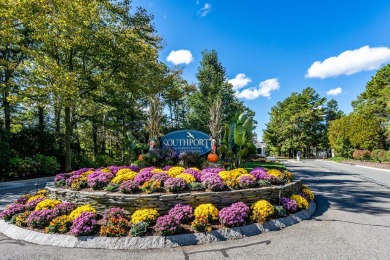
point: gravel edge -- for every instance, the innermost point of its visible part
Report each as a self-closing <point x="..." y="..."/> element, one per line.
<point x="149" y="242"/>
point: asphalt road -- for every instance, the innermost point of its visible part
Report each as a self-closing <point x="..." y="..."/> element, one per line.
<point x="352" y="221"/>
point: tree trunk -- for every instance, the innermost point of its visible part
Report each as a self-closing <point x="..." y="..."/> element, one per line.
<point x="94" y="138"/>
<point x="7" y="105"/>
<point x="68" y="130"/>
<point x="41" y="120"/>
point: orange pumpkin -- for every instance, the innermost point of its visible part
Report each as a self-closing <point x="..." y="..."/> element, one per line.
<point x="212" y="157"/>
<point x="141" y="157"/>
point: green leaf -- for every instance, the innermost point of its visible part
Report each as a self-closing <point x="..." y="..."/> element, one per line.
<point x="239" y="135"/>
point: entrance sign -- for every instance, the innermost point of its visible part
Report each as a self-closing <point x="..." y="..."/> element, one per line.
<point x="187" y="141"/>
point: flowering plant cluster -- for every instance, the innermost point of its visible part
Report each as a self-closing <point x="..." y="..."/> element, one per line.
<point x="59" y="224"/>
<point x="201" y="225"/>
<point x="11" y="210"/>
<point x="161" y="177"/>
<point x="309" y="195"/>
<point x="115" y="227"/>
<point x="64" y="208"/>
<point x="124" y="175"/>
<point x="234" y="215"/>
<point x="246" y="181"/>
<point x="262" y="210"/>
<point x="289" y="204"/>
<point x="85" y="224"/>
<point x="301" y="201"/>
<point x="167" y="225"/>
<point x="128" y="187"/>
<point x="20" y="219"/>
<point x="144" y="215"/>
<point x="207" y="211"/>
<point x="143" y="176"/>
<point x="194" y="172"/>
<point x="47" y="204"/>
<point x="40" y="218"/>
<point x="174" y="171"/>
<point x="182" y="212"/>
<point x="79" y="210"/>
<point x="113" y="213"/>
<point x="212" y="181"/>
<point x="188" y="178"/>
<point x="151" y="186"/>
<point x="174" y="184"/>
<point x="98" y="180"/>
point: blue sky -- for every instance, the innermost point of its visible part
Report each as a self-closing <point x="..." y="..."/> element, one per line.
<point x="280" y="46"/>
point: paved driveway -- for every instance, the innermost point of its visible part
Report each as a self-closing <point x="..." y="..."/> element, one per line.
<point x="352" y="222"/>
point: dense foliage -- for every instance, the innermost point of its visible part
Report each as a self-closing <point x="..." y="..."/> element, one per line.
<point x="83" y="87"/>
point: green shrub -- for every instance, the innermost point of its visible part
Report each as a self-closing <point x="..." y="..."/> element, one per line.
<point x="33" y="167"/>
<point x="362" y="155"/>
<point x="379" y="155"/>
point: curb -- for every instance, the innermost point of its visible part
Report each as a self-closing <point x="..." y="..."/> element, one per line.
<point x="24" y="183"/>
<point x="150" y="242"/>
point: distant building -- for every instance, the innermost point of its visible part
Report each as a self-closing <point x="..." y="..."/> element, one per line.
<point x="260" y="147"/>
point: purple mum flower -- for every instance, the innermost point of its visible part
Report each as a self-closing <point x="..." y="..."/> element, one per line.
<point x="62" y="177"/>
<point x="32" y="204"/>
<point x="84" y="225"/>
<point x="143" y="176"/>
<point x="212" y="181"/>
<point x="40" y="218"/>
<point x="234" y="215"/>
<point x="64" y="208"/>
<point x="289" y="204"/>
<point x="113" y="213"/>
<point x="212" y="170"/>
<point x="161" y="177"/>
<point x="166" y="168"/>
<point x="11" y="210"/>
<point x="175" y="184"/>
<point x="182" y="212"/>
<point x="197" y="175"/>
<point x="167" y="225"/>
<point x="98" y="180"/>
<point x="246" y="182"/>
<point x="129" y="186"/>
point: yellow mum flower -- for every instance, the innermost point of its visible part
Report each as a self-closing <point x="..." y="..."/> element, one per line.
<point x="275" y="173"/>
<point x="188" y="178"/>
<point x="144" y="215"/>
<point x="47" y="204"/>
<point x="35" y="197"/>
<point x="77" y="212"/>
<point x="301" y="201"/>
<point x="247" y="174"/>
<point x="308" y="193"/>
<point x="157" y="170"/>
<point x="207" y="211"/>
<point x="174" y="171"/>
<point x="124" y="176"/>
<point x="41" y="192"/>
<point x="262" y="210"/>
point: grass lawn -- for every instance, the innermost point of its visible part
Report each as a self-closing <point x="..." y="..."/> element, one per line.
<point x="250" y="165"/>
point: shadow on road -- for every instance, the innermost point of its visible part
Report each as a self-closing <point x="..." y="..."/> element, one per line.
<point x="349" y="192"/>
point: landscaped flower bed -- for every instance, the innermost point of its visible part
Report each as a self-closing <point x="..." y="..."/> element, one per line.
<point x="54" y="216"/>
<point x="131" y="179"/>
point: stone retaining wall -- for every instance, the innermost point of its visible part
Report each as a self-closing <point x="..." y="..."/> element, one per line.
<point x="164" y="202"/>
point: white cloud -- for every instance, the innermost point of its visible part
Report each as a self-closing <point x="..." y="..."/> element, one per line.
<point x="180" y="57"/>
<point x="205" y="9"/>
<point x="350" y="62"/>
<point x="334" y="92"/>
<point x="240" y="81"/>
<point x="265" y="88"/>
